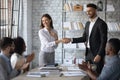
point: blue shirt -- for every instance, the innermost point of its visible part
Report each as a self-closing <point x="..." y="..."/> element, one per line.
<point x="2" y="73"/>
<point x="111" y="70"/>
<point x="6" y="64"/>
<point x="47" y="41"/>
<point x="7" y="61"/>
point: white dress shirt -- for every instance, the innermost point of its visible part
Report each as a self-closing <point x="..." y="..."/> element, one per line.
<point x="47" y="41"/>
<point x="92" y="22"/>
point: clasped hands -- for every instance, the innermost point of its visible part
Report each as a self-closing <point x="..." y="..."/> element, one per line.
<point x="66" y="40"/>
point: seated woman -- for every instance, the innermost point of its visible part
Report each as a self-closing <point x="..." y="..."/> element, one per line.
<point x="17" y="59"/>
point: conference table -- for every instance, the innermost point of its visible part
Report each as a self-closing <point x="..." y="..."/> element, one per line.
<point x="52" y="76"/>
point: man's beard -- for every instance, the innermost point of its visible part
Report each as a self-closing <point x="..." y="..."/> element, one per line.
<point x="92" y="16"/>
<point x="11" y="52"/>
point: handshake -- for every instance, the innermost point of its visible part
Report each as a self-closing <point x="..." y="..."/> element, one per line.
<point x="66" y="40"/>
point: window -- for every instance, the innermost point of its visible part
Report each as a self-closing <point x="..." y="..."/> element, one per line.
<point x="9" y="18"/>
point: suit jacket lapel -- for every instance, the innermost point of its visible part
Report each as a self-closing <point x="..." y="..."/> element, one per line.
<point x="87" y="30"/>
<point x="87" y="27"/>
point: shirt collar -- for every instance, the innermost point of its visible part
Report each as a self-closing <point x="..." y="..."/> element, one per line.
<point x="111" y="59"/>
<point x="46" y="29"/>
<point x="93" y="20"/>
<point x="5" y="57"/>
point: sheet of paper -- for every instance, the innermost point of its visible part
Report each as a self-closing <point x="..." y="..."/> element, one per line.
<point x="73" y="73"/>
<point x="37" y="74"/>
<point x="67" y="65"/>
<point x="73" y="68"/>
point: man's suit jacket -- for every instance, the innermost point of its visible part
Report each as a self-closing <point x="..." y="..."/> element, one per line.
<point x="98" y="37"/>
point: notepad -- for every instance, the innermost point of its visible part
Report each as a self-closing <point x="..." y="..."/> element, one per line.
<point x="73" y="73"/>
<point x="37" y="74"/>
<point x="49" y="69"/>
<point x="74" y="68"/>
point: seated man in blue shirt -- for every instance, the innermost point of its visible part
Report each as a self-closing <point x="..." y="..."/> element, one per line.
<point x="111" y="69"/>
<point x="2" y="76"/>
<point x="7" y="48"/>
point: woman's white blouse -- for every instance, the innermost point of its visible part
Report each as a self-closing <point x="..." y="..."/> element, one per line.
<point x="47" y="41"/>
<point x="14" y="58"/>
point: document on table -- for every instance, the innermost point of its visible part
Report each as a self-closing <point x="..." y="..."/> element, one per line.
<point x="51" y="70"/>
<point x="74" y="68"/>
<point x="63" y="65"/>
<point x="48" y="68"/>
<point x="37" y="74"/>
<point x="73" y="73"/>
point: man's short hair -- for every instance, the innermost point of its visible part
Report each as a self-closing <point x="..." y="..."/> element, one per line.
<point x="92" y="5"/>
<point x="115" y="43"/>
<point x="5" y="42"/>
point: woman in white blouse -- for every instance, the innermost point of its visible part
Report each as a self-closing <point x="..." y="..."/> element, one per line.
<point x="49" y="41"/>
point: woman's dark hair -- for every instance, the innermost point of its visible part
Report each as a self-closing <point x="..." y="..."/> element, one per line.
<point x="115" y="43"/>
<point x="19" y="45"/>
<point x="49" y="17"/>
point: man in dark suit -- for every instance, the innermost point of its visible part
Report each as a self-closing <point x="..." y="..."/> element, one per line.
<point x="94" y="36"/>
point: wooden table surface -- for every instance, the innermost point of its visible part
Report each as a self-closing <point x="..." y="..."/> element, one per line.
<point x="50" y="77"/>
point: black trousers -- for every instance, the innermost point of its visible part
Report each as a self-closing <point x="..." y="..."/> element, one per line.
<point x="89" y="56"/>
